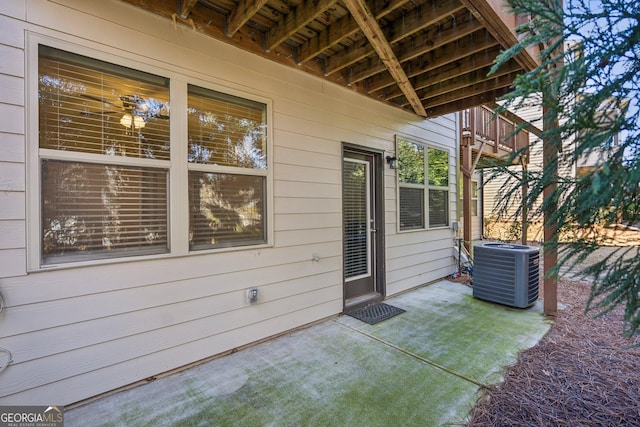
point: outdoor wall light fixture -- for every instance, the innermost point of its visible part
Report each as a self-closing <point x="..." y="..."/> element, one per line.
<point x="391" y="161"/>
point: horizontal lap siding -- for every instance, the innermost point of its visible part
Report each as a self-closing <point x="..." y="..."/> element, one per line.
<point x="78" y="332"/>
<point x="12" y="143"/>
<point x="416" y="258"/>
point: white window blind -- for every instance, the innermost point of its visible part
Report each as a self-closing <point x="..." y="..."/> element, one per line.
<point x="411" y="208"/>
<point x="227" y="139"/>
<point x="226" y="130"/>
<point x="356" y="218"/>
<point x="91" y="114"/>
<point x="105" y="161"/>
<point x="226" y="210"/>
<point x="95" y="107"/>
<point x="91" y="209"/>
<point x="419" y="196"/>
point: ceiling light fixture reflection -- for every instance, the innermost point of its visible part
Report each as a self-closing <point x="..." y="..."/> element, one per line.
<point x="132" y="121"/>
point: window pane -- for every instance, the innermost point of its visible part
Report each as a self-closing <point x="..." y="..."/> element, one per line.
<point x="91" y="106"/>
<point x="438" y="208"/>
<point x="356" y="216"/>
<point x="226" y="210"/>
<point x="438" y="167"/>
<point x="474" y="198"/>
<point x="410" y="162"/>
<point x="226" y="130"/>
<point x="411" y="208"/>
<point x="92" y="211"/>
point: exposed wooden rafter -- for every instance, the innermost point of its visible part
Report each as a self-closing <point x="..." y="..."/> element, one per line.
<point x="337" y="32"/>
<point x="241" y="14"/>
<point x="500" y="23"/>
<point x="298" y="18"/>
<point x="477" y="89"/>
<point x="444" y="72"/>
<point x="185" y="8"/>
<point x="429" y="57"/>
<point x="406" y="28"/>
<point x="417" y="49"/>
<point x="466" y="48"/>
<point x="374" y="34"/>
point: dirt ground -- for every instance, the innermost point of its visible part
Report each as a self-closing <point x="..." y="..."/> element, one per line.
<point x="617" y="235"/>
<point x="582" y="373"/>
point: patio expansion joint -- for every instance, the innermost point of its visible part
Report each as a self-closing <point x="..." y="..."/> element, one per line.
<point x="413" y="355"/>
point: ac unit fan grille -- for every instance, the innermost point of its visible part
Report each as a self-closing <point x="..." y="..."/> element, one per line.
<point x="506" y="274"/>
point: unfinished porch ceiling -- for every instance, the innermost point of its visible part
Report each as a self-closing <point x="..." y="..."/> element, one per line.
<point x="428" y="57"/>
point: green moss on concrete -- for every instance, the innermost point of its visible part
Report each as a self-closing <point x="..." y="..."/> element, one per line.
<point x="343" y="372"/>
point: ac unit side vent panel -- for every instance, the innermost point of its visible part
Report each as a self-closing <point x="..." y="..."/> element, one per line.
<point x="506" y="274"/>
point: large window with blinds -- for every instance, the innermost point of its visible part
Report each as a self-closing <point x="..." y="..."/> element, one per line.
<point x="227" y="170"/>
<point x="106" y="158"/>
<point x="423" y="185"/>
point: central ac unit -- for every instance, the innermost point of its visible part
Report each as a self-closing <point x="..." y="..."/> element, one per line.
<point x="507" y="274"/>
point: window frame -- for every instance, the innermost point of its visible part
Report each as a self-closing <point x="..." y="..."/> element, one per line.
<point x="212" y="168"/>
<point x="425" y="187"/>
<point x="475" y="193"/>
<point x="177" y="166"/>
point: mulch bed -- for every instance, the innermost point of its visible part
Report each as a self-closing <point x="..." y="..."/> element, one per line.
<point x="582" y="373"/>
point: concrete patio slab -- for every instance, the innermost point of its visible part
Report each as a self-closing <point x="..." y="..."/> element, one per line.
<point x="423" y="367"/>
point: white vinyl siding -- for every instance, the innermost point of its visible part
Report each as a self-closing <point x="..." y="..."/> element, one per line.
<point x="100" y="326"/>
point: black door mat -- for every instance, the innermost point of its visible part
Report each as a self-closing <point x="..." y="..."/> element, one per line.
<point x="375" y="313"/>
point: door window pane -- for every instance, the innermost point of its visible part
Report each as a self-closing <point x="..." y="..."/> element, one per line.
<point x="356" y="241"/>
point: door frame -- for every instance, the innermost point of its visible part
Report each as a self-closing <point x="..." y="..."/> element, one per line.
<point x="378" y="269"/>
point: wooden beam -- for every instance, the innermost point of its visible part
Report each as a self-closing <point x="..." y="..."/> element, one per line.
<point x="472" y="90"/>
<point x="449" y="54"/>
<point x="460" y="85"/>
<point x="241" y="14"/>
<point x="304" y="13"/>
<point x="212" y="24"/>
<point x="465" y="102"/>
<point x="428" y="14"/>
<point x="185" y="8"/>
<point x="550" y="148"/>
<point x="431" y="42"/>
<point x="500" y="24"/>
<point x="451" y="70"/>
<point x="340" y="30"/>
<point x="506" y="75"/>
<point x="467" y="155"/>
<point x="374" y="34"/>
